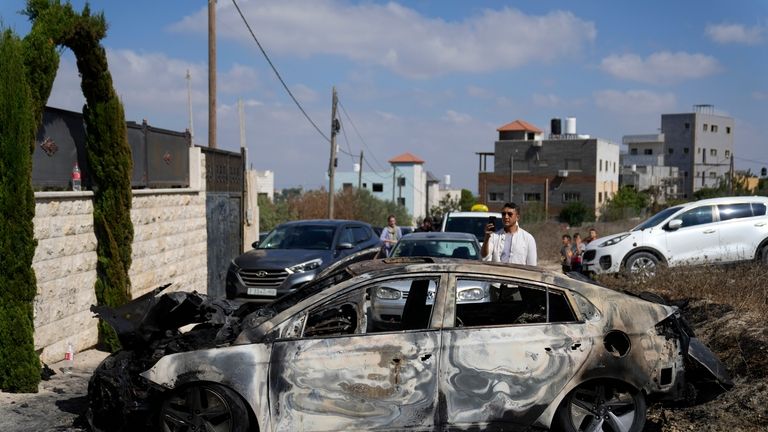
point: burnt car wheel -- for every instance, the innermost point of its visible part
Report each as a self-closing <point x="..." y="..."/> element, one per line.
<point x="642" y="264"/>
<point x="602" y="406"/>
<point x="204" y="408"/>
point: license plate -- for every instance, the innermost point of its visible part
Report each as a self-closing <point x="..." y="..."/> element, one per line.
<point x="271" y="292"/>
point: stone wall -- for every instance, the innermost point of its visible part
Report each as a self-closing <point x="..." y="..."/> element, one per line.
<point x="169" y="247"/>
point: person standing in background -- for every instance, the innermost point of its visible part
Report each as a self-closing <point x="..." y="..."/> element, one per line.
<point x="566" y="253"/>
<point x="592" y="235"/>
<point x="390" y="235"/>
<point x="511" y="244"/>
<point x="578" y="250"/>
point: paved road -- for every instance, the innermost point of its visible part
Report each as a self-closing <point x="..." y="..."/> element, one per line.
<point x="58" y="406"/>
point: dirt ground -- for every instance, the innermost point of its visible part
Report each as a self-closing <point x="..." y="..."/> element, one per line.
<point x="60" y="403"/>
<point x="740" y="341"/>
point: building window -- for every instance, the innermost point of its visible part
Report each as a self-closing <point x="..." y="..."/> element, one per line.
<point x="573" y="164"/>
<point x="378" y="187"/>
<point x="532" y="197"/>
<point x="571" y="197"/>
<point x="706" y="127"/>
<point x="713" y="128"/>
<point x="648" y="151"/>
<point x="671" y="150"/>
<point x="713" y="174"/>
<point x="365" y="185"/>
<point x="687" y="125"/>
<point x="346" y="186"/>
<point x="600" y="166"/>
<point x="633" y="151"/>
<point x="713" y="152"/>
<point x="727" y="153"/>
<point x="685" y="150"/>
<point x="728" y="129"/>
<point x="614" y="167"/>
<point x="401" y="181"/>
<point x="401" y="201"/>
<point x="599" y="197"/>
<point x="495" y="196"/>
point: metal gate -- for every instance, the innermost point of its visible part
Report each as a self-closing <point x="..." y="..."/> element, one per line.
<point x="224" y="182"/>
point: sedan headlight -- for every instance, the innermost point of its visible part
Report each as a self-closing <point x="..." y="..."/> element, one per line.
<point x="306" y="266"/>
<point x="385" y="293"/>
<point x="470" y="294"/>
<point x="614" y="240"/>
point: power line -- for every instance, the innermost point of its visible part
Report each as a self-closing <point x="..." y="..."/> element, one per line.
<point x="750" y="160"/>
<point x="361" y="137"/>
<point x="274" y="69"/>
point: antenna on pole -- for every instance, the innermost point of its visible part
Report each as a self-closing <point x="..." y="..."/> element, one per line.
<point x="189" y="106"/>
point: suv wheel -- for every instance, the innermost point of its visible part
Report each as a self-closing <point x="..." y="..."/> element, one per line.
<point x="642" y="264"/>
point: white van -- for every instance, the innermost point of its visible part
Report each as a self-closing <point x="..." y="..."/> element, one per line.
<point x="472" y="222"/>
<point x="711" y="231"/>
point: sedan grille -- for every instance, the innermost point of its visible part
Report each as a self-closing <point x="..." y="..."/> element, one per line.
<point x="590" y="255"/>
<point x="254" y="278"/>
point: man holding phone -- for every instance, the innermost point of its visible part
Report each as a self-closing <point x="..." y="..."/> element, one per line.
<point x="511" y="244"/>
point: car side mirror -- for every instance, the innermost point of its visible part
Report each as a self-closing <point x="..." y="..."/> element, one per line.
<point x="345" y="245"/>
<point x="674" y="224"/>
<point x="255" y="244"/>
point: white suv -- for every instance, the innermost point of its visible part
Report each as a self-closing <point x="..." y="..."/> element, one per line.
<point x="718" y="230"/>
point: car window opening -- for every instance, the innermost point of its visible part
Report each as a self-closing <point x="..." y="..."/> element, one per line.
<point x="512" y="303"/>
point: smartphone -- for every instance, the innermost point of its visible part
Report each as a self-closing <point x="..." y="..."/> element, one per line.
<point x="492" y="221"/>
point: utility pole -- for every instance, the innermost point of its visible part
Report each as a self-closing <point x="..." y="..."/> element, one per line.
<point x="189" y="104"/>
<point x="212" y="73"/>
<point x="730" y="177"/>
<point x="360" y="173"/>
<point x="511" y="174"/>
<point x="335" y="126"/>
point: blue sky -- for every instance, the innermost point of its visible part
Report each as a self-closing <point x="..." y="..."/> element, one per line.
<point x="434" y="78"/>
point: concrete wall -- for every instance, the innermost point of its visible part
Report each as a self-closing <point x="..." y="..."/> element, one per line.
<point x="169" y="247"/>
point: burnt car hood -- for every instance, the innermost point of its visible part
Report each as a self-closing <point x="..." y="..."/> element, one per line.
<point x="155" y="316"/>
<point x="281" y="258"/>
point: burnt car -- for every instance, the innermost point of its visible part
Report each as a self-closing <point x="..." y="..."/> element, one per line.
<point x="546" y="351"/>
<point x="292" y="254"/>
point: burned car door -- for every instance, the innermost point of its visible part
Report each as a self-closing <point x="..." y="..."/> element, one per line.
<point x="504" y="361"/>
<point x="341" y="374"/>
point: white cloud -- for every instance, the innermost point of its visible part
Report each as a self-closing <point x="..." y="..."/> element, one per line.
<point x="760" y="95"/>
<point x="661" y="67"/>
<point x="547" y="100"/>
<point x="635" y="101"/>
<point x="479" y="92"/>
<point x="399" y="38"/>
<point x="735" y="33"/>
<point x="452" y="116"/>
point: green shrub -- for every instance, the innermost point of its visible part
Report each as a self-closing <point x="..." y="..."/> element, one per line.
<point x="19" y="364"/>
<point x="575" y="214"/>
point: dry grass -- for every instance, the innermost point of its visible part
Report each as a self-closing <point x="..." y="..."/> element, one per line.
<point x="744" y="288"/>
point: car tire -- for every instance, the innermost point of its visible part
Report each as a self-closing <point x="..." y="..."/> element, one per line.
<point x="204" y="407"/>
<point x="764" y="255"/>
<point x="601" y="406"/>
<point x="642" y="264"/>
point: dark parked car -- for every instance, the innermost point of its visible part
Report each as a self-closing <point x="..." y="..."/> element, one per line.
<point x="546" y="351"/>
<point x="292" y="254"/>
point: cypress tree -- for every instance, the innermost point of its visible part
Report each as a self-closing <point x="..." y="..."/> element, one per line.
<point x="19" y="364"/>
<point x="106" y="142"/>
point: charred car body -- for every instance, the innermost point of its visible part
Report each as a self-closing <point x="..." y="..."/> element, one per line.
<point x="545" y="351"/>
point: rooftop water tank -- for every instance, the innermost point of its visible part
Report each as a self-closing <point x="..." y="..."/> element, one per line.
<point x="447" y="180"/>
<point x="570" y="125"/>
<point x="556" y="126"/>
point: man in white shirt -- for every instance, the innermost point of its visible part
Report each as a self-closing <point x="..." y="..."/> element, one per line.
<point x="510" y="244"/>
